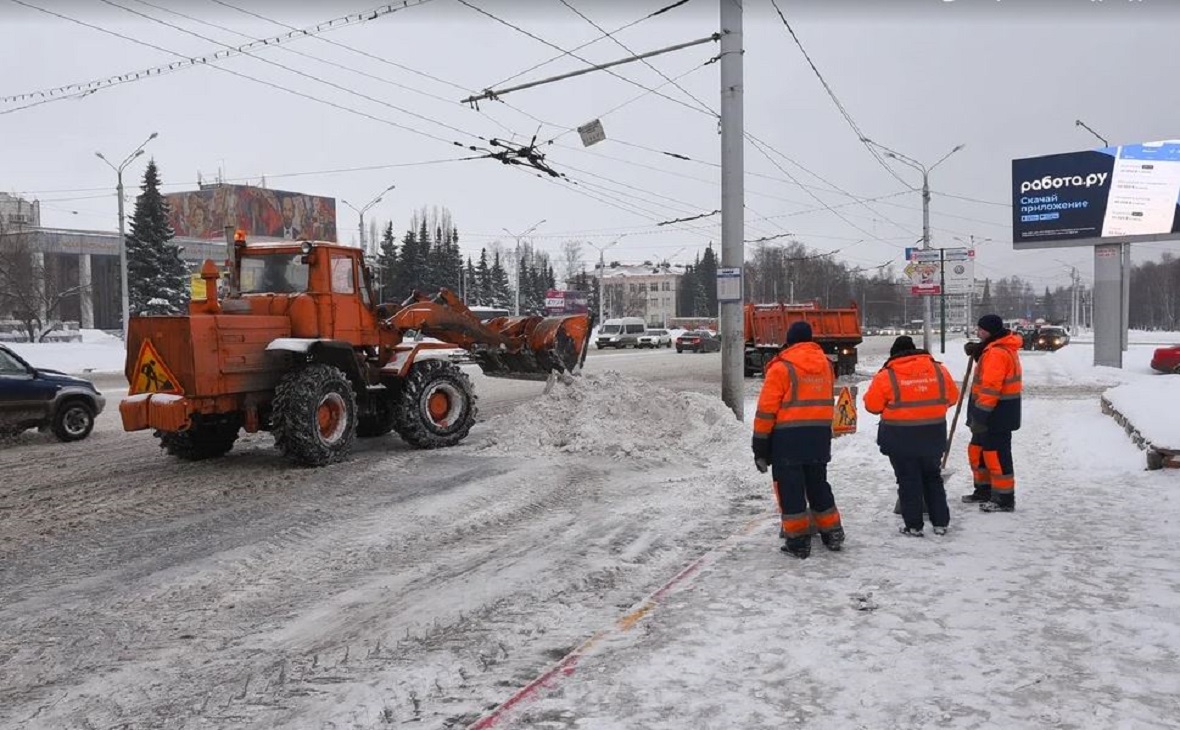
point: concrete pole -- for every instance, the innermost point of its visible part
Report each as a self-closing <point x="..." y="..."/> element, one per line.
<point x="85" y="292"/>
<point x="601" y="280"/>
<point x="927" y="308"/>
<point x="1107" y="305"/>
<point x="123" y="261"/>
<point x="360" y="229"/>
<point x="1125" y="304"/>
<point x="732" y="202"/>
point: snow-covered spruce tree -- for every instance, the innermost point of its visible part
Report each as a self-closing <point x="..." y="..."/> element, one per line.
<point x="157" y="278"/>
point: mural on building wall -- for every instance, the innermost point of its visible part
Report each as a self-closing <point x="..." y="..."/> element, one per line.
<point x="258" y="211"/>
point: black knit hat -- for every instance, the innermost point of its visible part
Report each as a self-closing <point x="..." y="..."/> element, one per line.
<point x="991" y="323"/>
<point x="901" y="344"/>
<point x="798" y="332"/>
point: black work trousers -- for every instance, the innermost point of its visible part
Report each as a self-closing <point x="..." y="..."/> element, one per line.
<point x="802" y="488"/>
<point x="919" y="478"/>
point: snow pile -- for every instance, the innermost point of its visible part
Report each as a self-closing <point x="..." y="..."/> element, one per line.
<point x="615" y="416"/>
<point x="77" y="358"/>
<point x="1140" y="403"/>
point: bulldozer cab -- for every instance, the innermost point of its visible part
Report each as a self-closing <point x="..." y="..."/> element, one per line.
<point x="324" y="288"/>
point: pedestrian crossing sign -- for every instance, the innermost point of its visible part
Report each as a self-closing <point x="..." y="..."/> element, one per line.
<point x="844" y="417"/>
<point x="151" y="375"/>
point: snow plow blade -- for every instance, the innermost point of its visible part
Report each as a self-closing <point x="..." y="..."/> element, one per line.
<point x="548" y="345"/>
<point x="525" y="348"/>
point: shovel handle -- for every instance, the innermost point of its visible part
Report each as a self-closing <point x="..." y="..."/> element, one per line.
<point x="958" y="407"/>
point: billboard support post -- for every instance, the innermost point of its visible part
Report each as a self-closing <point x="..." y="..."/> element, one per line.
<point x="1108" y="313"/>
<point x="942" y="300"/>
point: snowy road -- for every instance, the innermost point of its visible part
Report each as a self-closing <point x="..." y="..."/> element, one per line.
<point x="139" y="591"/>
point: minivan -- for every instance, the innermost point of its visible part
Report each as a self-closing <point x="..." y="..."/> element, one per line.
<point x="620" y="332"/>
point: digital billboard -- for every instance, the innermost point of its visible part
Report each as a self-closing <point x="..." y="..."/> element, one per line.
<point x="1078" y="198"/>
<point x="258" y="211"/>
<point x="558" y="302"/>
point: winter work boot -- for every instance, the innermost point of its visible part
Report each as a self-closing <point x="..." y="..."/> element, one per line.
<point x="800" y="547"/>
<point x="940" y="530"/>
<point x="833" y="539"/>
<point x="999" y="504"/>
<point x="980" y="495"/>
<point x="911" y="532"/>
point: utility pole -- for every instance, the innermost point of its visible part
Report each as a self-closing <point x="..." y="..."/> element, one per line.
<point x="927" y="305"/>
<point x="732" y="202"/>
<point x="516" y="307"/>
<point x="602" y="273"/>
<point x="122" y="232"/>
<point x="360" y="227"/>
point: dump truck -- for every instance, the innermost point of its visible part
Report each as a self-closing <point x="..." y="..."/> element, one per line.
<point x="837" y="331"/>
<point x="299" y="346"/>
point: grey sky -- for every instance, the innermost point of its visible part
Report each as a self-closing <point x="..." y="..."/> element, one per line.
<point x="1008" y="79"/>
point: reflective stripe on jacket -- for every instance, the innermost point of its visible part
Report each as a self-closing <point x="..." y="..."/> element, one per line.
<point x="793" y="423"/>
<point x="997" y="385"/>
<point x="912" y="393"/>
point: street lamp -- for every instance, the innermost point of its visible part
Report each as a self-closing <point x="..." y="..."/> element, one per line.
<point x="361" y="214"/>
<point x="122" y="233"/>
<point x="516" y="308"/>
<point x="602" y="272"/>
<point x="1083" y="125"/>
<point x="927" y="309"/>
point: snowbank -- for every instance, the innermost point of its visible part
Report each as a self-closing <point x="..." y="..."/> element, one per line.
<point x="1140" y="403"/>
<point x="96" y="353"/>
<point x="619" y="416"/>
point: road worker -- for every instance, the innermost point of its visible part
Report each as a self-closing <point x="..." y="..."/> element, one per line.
<point x="993" y="413"/>
<point x="912" y="393"/>
<point x="793" y="435"/>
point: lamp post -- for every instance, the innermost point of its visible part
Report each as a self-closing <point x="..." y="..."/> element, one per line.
<point x="927" y="308"/>
<point x="516" y="307"/>
<point x="122" y="232"/>
<point x="1083" y="125"/>
<point x="602" y="272"/>
<point x="361" y="214"/>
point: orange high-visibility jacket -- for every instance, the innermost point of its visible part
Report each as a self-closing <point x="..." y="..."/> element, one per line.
<point x="997" y="385"/>
<point x="912" y="390"/>
<point x="797" y="401"/>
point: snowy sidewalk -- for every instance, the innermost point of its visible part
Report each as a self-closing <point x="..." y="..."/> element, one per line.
<point x="1063" y="614"/>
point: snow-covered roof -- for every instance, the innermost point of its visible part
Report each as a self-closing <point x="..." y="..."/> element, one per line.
<point x="642" y="270"/>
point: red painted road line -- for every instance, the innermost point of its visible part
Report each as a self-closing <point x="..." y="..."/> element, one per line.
<point x="568" y="664"/>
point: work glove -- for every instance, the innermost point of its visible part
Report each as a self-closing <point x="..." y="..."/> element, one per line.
<point x="761" y="464"/>
<point x="977" y="429"/>
<point x="971" y="348"/>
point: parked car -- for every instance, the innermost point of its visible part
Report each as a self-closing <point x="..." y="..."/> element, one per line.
<point x="45" y="399"/>
<point x="1050" y="338"/>
<point x="698" y="341"/>
<point x="1166" y="359"/>
<point x="620" y="332"/>
<point x="654" y="338"/>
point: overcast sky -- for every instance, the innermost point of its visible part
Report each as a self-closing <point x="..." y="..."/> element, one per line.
<point x="1005" y="78"/>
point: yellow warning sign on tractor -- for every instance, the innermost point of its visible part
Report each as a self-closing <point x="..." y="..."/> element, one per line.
<point x="151" y="375"/>
<point x="844" y="417"/>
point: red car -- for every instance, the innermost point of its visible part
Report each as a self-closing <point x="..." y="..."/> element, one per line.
<point x="1167" y="359"/>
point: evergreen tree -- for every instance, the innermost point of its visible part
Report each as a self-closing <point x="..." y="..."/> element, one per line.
<point x="471" y="292"/>
<point x="157" y="278"/>
<point x="483" y="275"/>
<point x="423" y="274"/>
<point x="404" y="272"/>
<point x="985" y="302"/>
<point x="387" y="266"/>
<point x="501" y="291"/>
<point x="706" y="281"/>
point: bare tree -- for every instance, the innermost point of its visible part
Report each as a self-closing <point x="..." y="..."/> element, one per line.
<point x="571" y="260"/>
<point x="30" y="293"/>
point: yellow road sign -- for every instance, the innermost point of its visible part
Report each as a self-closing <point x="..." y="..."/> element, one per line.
<point x="151" y="375"/>
<point x="844" y="418"/>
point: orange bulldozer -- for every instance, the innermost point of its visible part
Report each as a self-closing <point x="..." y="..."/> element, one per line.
<point x="298" y="346"/>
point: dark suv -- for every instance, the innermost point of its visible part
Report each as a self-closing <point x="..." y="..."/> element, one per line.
<point x="45" y="399"/>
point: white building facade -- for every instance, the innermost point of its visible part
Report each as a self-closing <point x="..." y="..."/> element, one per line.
<point x="647" y="291"/>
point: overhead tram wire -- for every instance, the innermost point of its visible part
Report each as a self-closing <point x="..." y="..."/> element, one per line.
<point x="248" y="77"/>
<point x="295" y="71"/>
<point x="835" y="100"/>
<point x="334" y="64"/>
<point x="393" y="64"/>
<point x="77" y="90"/>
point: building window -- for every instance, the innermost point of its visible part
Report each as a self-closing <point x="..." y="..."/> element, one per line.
<point x="654" y="286"/>
<point x="667" y="286"/>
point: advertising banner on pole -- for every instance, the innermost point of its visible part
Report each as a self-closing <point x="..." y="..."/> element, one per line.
<point x="959" y="270"/>
<point x="1129" y="193"/>
<point x="922" y="270"/>
<point x="929" y="268"/>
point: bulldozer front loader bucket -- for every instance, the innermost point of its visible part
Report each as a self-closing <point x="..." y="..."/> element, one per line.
<point x="546" y="345"/>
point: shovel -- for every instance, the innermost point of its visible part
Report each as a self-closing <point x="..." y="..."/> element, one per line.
<point x="950" y="437"/>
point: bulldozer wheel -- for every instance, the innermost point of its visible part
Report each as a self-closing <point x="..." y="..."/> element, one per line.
<point x="315" y="418"/>
<point x="436" y="406"/>
<point x="200" y="442"/>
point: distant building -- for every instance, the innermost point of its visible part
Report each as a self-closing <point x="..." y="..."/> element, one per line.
<point x="16" y="213"/>
<point x="648" y="291"/>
